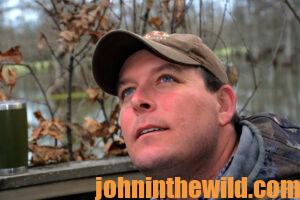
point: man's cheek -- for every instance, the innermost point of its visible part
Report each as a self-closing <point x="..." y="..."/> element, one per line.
<point x="125" y="121"/>
<point x="171" y="102"/>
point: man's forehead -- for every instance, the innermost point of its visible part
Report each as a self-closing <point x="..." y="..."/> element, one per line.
<point x="154" y="70"/>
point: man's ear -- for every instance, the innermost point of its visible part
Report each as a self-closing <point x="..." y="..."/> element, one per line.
<point x="227" y="101"/>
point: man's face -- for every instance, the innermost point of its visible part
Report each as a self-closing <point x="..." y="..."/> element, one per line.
<point x="168" y="118"/>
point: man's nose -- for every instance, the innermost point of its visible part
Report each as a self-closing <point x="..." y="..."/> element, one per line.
<point x="142" y="101"/>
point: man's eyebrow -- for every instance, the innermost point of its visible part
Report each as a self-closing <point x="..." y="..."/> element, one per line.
<point x="163" y="67"/>
<point x="167" y="66"/>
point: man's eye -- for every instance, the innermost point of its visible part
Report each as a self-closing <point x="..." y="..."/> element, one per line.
<point x="166" y="78"/>
<point x="126" y="92"/>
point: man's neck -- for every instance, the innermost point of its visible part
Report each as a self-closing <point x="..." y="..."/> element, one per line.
<point x="227" y="143"/>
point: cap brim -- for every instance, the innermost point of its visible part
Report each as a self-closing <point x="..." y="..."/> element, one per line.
<point x="116" y="46"/>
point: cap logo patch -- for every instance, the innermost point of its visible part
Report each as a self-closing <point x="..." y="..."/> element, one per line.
<point x="156" y="35"/>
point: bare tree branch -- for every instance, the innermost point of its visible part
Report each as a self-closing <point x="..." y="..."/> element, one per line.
<point x="145" y="18"/>
<point x="50" y="14"/>
<point x="292" y="9"/>
<point x="276" y="50"/>
<point x="69" y="113"/>
<point x="200" y="17"/>
<point x="121" y="14"/>
<point x="51" y="50"/>
<point x="134" y="16"/>
<point x="90" y="39"/>
<point x="256" y="84"/>
<point x="247" y="49"/>
<point x="221" y="26"/>
<point x="101" y="103"/>
<point x="172" y="26"/>
<point x="185" y="10"/>
<point x="249" y="98"/>
<point x="222" y="41"/>
<point x="39" y="85"/>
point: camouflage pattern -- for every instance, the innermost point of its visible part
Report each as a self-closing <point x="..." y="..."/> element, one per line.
<point x="281" y="140"/>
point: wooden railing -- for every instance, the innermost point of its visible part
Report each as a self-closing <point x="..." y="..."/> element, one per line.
<point x="65" y="179"/>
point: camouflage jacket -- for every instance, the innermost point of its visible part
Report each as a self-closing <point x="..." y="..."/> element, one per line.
<point x="269" y="149"/>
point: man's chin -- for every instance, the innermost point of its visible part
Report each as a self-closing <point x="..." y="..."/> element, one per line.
<point x="153" y="167"/>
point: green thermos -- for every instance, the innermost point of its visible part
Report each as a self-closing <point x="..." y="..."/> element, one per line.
<point x="13" y="138"/>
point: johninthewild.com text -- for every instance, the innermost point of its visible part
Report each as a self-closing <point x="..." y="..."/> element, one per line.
<point x="225" y="187"/>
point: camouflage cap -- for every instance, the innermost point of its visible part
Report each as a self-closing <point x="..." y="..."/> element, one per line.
<point x="116" y="46"/>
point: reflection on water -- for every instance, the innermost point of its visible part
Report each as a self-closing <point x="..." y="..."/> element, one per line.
<point x="278" y="90"/>
<point x="278" y="93"/>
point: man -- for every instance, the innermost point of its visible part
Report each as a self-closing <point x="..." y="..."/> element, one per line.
<point x="178" y="112"/>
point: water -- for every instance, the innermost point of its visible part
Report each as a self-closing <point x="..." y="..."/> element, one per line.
<point x="278" y="91"/>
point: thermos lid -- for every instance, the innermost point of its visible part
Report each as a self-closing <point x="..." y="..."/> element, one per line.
<point x="12" y="104"/>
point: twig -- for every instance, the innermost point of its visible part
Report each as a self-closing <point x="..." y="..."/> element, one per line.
<point x="125" y="21"/>
<point x="69" y="113"/>
<point x="101" y="103"/>
<point x="90" y="39"/>
<point x="84" y="54"/>
<point x="51" y="50"/>
<point x="249" y="98"/>
<point x="140" y="17"/>
<point x="84" y="78"/>
<point x="292" y="9"/>
<point x="222" y="41"/>
<point x="247" y="49"/>
<point x="134" y="16"/>
<point x="200" y="17"/>
<point x="278" y="42"/>
<point x="256" y="85"/>
<point x="50" y="14"/>
<point x="212" y="16"/>
<point x="221" y="26"/>
<point x="172" y="27"/>
<point x="145" y="18"/>
<point x="121" y="14"/>
<point x="39" y="84"/>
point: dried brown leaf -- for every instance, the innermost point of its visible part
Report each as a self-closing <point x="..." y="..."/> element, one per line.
<point x="53" y="133"/>
<point x="68" y="36"/>
<point x="112" y="129"/>
<point x="59" y="125"/>
<point x="1" y="69"/>
<point x="65" y="18"/>
<point x="149" y="4"/>
<point x="13" y="55"/>
<point x="116" y="148"/>
<point x="36" y="133"/>
<point x="41" y="42"/>
<point x="9" y="76"/>
<point x="114" y="115"/>
<point x="104" y="23"/>
<point x="45" y="155"/>
<point x="165" y="4"/>
<point x="93" y="15"/>
<point x="92" y="126"/>
<point x="156" y="22"/>
<point x="96" y="36"/>
<point x="179" y="11"/>
<point x="2" y="96"/>
<point x="38" y="115"/>
<point x="53" y="128"/>
<point x="233" y="74"/>
<point x="105" y="3"/>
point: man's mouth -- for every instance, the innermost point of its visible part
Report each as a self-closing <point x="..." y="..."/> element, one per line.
<point x="150" y="130"/>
